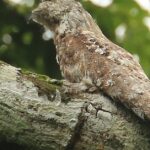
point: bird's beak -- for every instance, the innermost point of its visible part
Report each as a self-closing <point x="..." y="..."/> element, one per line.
<point x="33" y="16"/>
<point x="30" y="18"/>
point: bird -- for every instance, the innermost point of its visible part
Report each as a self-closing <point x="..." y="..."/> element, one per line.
<point x="86" y="55"/>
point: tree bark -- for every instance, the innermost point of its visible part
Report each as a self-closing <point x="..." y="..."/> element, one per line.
<point x="42" y="113"/>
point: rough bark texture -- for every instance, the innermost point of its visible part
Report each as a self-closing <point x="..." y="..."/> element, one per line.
<point x="41" y="113"/>
<point x="86" y="55"/>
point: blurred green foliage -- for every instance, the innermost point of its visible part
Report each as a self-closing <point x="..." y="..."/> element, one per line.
<point x="21" y="42"/>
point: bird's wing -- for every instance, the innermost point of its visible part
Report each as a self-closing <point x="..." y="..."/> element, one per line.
<point x="112" y="69"/>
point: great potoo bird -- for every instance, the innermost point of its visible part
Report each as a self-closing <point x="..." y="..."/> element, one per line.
<point x="84" y="53"/>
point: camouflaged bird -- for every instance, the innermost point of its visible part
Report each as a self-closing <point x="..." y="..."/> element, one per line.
<point x="86" y="55"/>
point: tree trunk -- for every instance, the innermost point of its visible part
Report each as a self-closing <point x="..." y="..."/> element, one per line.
<point x="42" y="113"/>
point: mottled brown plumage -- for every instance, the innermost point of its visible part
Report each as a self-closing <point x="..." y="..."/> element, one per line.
<point x="86" y="55"/>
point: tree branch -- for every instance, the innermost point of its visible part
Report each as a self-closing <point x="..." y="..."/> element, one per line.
<point x="42" y="113"/>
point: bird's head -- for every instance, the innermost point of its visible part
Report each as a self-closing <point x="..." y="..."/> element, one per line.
<point x="50" y="12"/>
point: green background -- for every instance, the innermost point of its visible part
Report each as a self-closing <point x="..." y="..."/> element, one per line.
<point x="29" y="51"/>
